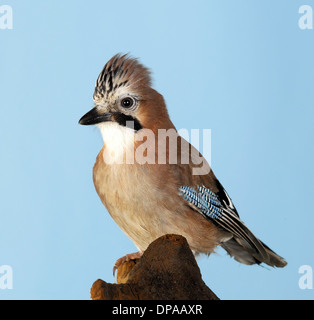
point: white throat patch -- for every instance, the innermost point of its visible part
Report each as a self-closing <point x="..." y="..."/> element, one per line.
<point x="117" y="139"/>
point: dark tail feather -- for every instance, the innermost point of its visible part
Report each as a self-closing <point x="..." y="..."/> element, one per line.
<point x="243" y="253"/>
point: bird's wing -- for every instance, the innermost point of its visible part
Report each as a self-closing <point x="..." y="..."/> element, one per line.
<point x="221" y="213"/>
<point x="205" y="195"/>
<point x="243" y="245"/>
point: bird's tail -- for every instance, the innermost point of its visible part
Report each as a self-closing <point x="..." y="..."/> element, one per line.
<point x="244" y="253"/>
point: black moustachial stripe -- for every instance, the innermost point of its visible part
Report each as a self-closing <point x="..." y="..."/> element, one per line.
<point x="127" y="121"/>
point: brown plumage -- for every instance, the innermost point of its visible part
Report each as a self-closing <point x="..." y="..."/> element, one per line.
<point x="148" y="199"/>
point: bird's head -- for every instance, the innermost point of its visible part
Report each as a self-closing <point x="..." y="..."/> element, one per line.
<point x="123" y="95"/>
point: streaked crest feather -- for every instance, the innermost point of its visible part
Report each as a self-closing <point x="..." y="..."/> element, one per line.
<point x="121" y="70"/>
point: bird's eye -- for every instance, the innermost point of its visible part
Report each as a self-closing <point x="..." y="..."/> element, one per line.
<point x="127" y="102"/>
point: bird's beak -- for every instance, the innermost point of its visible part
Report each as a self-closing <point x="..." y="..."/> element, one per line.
<point x="95" y="116"/>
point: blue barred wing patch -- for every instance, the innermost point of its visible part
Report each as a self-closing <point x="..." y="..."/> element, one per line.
<point x="204" y="200"/>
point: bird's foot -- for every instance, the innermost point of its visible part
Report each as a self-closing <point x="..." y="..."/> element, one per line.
<point x="127" y="257"/>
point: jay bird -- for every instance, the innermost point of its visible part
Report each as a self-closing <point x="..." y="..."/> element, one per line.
<point x="148" y="199"/>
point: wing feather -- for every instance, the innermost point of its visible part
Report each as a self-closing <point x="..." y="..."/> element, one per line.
<point x="209" y="205"/>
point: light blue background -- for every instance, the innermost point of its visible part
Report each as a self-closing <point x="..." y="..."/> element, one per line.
<point x="241" y="68"/>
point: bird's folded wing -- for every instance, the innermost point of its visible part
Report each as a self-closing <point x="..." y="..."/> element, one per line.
<point x="221" y="213"/>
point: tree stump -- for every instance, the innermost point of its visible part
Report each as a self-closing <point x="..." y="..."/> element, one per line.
<point x="167" y="270"/>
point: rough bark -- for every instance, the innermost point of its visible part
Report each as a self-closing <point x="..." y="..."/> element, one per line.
<point x="166" y="271"/>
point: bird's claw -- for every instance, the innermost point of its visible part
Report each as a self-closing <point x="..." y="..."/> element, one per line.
<point x="127" y="257"/>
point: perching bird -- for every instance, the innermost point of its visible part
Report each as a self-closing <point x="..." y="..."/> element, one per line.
<point x="148" y="198"/>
